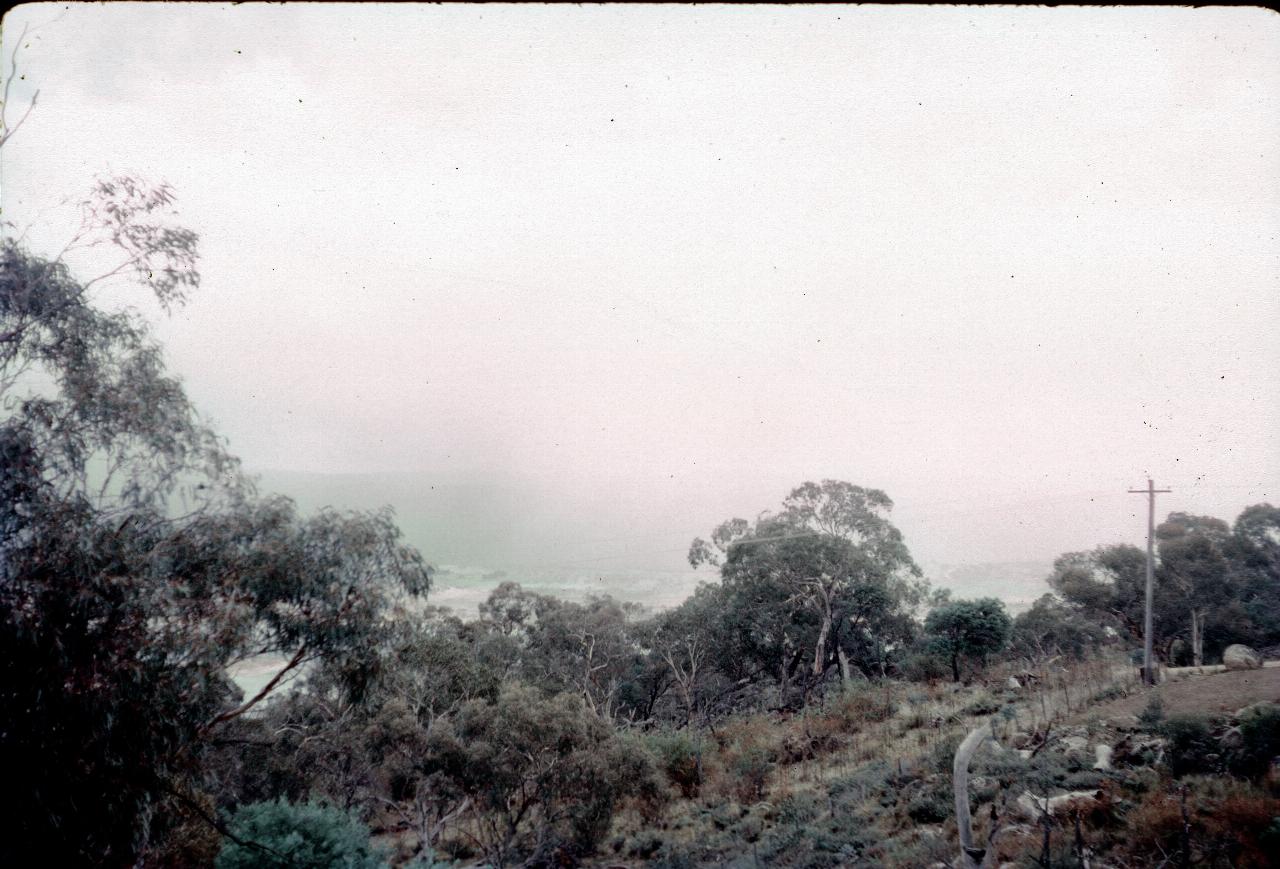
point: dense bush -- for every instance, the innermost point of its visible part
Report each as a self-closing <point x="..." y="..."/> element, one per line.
<point x="680" y="759"/>
<point x="1190" y="743"/>
<point x="280" y="835"/>
<point x="750" y="769"/>
<point x="923" y="666"/>
<point x="861" y="703"/>
<point x="546" y="773"/>
<point x="1260" y="742"/>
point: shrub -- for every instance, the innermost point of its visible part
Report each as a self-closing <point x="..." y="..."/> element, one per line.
<point x="1227" y="818"/>
<point x="310" y="835"/>
<point x="750" y="768"/>
<point x="943" y="754"/>
<point x="923" y="667"/>
<point x="680" y="760"/>
<point x="1153" y="714"/>
<point x="929" y="808"/>
<point x="983" y="703"/>
<point x="1115" y="692"/>
<point x="1190" y="743"/>
<point x="862" y="703"/>
<point x="1260" y="743"/>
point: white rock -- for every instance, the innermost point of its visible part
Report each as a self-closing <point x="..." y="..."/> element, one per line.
<point x="1238" y="657"/>
<point x="1074" y="743"/>
<point x="1014" y="683"/>
<point x="1103" y="753"/>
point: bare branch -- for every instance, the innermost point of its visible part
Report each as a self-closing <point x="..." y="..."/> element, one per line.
<point x="266" y="689"/>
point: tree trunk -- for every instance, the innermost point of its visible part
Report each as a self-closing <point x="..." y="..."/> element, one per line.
<point x="820" y="647"/>
<point x="784" y="677"/>
<point x="1197" y="637"/>
<point x="845" y="676"/>
<point x="971" y="856"/>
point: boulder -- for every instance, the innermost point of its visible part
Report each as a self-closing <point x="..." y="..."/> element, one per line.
<point x="1103" y="752"/>
<point x="1232" y="737"/>
<point x="1014" y="684"/>
<point x="1238" y="657"/>
<point x="1253" y="709"/>
<point x="1125" y="723"/>
<point x="1074" y="743"/>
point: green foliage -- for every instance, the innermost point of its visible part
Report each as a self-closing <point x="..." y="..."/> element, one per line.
<point x="923" y="666"/>
<point x="968" y="630"/>
<point x="680" y="759"/>
<point x="1260" y="742"/>
<point x="928" y="807"/>
<point x="982" y="703"/>
<point x="861" y="703"/>
<point x="750" y="767"/>
<point x="827" y="578"/>
<point x="1153" y="713"/>
<point x="546" y="770"/>
<point x="1189" y="744"/>
<point x="136" y="564"/>
<point x="280" y="835"/>
<point x="1113" y="692"/>
<point x="1051" y="627"/>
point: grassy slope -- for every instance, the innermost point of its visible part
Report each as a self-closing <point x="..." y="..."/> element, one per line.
<point x="847" y="786"/>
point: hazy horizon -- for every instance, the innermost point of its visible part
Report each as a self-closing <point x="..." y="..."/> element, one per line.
<point x="611" y="275"/>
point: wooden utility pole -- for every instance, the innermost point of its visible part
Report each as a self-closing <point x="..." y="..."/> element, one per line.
<point x="1148" y="671"/>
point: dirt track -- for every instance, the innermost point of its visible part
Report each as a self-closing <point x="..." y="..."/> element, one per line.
<point x="1209" y="694"/>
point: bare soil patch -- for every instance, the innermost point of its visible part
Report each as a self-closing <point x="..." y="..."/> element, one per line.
<point x="1207" y="694"/>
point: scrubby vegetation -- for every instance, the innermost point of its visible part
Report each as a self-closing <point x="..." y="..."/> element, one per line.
<point x="800" y="709"/>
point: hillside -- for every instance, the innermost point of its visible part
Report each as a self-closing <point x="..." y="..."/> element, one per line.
<point x="865" y="782"/>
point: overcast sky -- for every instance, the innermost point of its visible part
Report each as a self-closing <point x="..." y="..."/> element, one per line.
<point x="663" y="263"/>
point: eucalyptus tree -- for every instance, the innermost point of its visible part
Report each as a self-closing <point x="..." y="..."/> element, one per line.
<point x="1194" y="558"/>
<point x="970" y="630"/>
<point x="822" y="580"/>
<point x="136" y="562"/>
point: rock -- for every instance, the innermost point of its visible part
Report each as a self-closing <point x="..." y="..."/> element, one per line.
<point x="1103" y="753"/>
<point x="1138" y="749"/>
<point x="1238" y="657"/>
<point x="1125" y="723"/>
<point x="1253" y="709"/>
<point x="1231" y="738"/>
<point x="1033" y="806"/>
<point x="1074" y="743"/>
<point x="1014" y="683"/>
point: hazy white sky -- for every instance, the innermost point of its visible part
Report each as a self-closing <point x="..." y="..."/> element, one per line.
<point x="663" y="263"/>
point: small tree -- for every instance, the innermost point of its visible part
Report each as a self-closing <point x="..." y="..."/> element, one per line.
<point x="1052" y="628"/>
<point x="278" y="835"/>
<point x="970" y="629"/>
